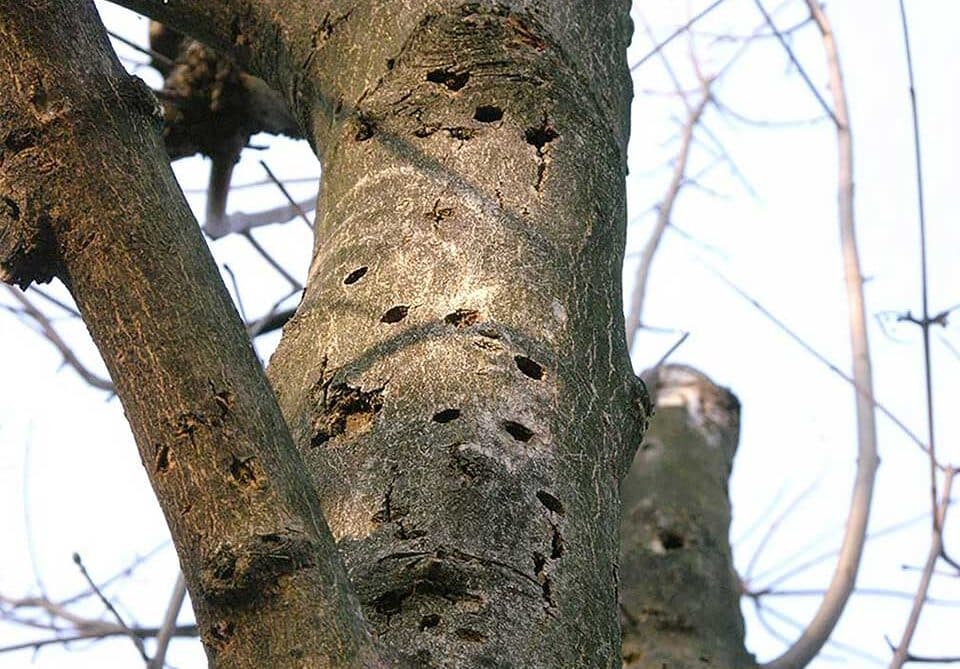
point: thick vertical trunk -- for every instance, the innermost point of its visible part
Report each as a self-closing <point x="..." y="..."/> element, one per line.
<point x="456" y="375"/>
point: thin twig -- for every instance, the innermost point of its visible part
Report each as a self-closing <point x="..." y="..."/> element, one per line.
<point x="169" y="624"/>
<point x="255" y="184"/>
<point x="27" y="522"/>
<point x="50" y="333"/>
<point x="138" y="642"/>
<point x="936" y="548"/>
<point x="775" y="525"/>
<point x="138" y="632"/>
<point x="868" y="592"/>
<point x="236" y="290"/>
<point x="286" y="194"/>
<point x="808" y="563"/>
<point x="676" y="33"/>
<point x="793" y="59"/>
<point x="839" y="645"/>
<point x="156" y="55"/>
<point x="925" y="322"/>
<point x="54" y="301"/>
<point x="882" y="408"/>
<point x="248" y="235"/>
<point x="635" y="316"/>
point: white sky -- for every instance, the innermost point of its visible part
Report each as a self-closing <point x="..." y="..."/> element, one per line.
<point x="69" y="469"/>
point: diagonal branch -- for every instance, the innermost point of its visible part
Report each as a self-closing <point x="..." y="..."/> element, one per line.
<point x="901" y="653"/>
<point x="50" y="333"/>
<point x="89" y="197"/>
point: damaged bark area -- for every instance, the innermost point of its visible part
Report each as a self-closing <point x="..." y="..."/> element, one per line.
<point x="210" y="105"/>
<point x="676" y="519"/>
<point x="469" y="236"/>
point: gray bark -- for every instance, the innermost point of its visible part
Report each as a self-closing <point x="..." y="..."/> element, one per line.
<point x="679" y="593"/>
<point x="458" y="398"/>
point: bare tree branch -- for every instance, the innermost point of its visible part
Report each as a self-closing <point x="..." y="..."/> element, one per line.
<point x="169" y="625"/>
<point x="50" y="333"/>
<point x="901" y="653"/>
<point x="818" y="631"/>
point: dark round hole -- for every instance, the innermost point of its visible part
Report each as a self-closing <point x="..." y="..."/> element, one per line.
<point x="355" y="275"/>
<point x="395" y="314"/>
<point x="529" y="367"/>
<point x="517" y="431"/>
<point x="488" y="114"/>
<point x="452" y="80"/>
<point x="446" y="415"/>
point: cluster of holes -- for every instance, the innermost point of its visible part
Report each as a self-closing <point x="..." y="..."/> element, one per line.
<point x="529" y="367"/>
<point x="550" y="502"/>
<point x="517" y="430"/>
<point x="452" y="80"/>
<point x="395" y="314"/>
<point x="488" y="114"/>
<point x="446" y="415"/>
<point x="355" y="275"/>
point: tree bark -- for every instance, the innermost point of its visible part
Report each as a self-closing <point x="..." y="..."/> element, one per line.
<point x="679" y="593"/>
<point x="87" y="195"/>
<point x="455" y="382"/>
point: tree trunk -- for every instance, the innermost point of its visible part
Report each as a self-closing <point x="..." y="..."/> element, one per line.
<point x="456" y="379"/>
<point x="679" y="594"/>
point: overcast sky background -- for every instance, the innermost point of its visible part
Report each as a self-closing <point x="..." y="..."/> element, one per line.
<point x="71" y="479"/>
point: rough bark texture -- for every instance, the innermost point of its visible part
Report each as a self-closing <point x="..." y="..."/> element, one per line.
<point x="86" y="194"/>
<point x="456" y="378"/>
<point x="679" y="598"/>
<point x="456" y="375"/>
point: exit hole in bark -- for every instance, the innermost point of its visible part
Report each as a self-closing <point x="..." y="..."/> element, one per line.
<point x="395" y="314"/>
<point x="517" y="431"/>
<point x="671" y="540"/>
<point x="345" y="410"/>
<point x="470" y="635"/>
<point x="355" y="275"/>
<point x="428" y="621"/>
<point x="462" y="318"/>
<point x="243" y="471"/>
<point x="488" y="114"/>
<point x="454" y="81"/>
<point x="446" y="415"/>
<point x="551" y="502"/>
<point x="541" y="135"/>
<point x="162" y="458"/>
<point x="529" y="367"/>
<point x="365" y="130"/>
